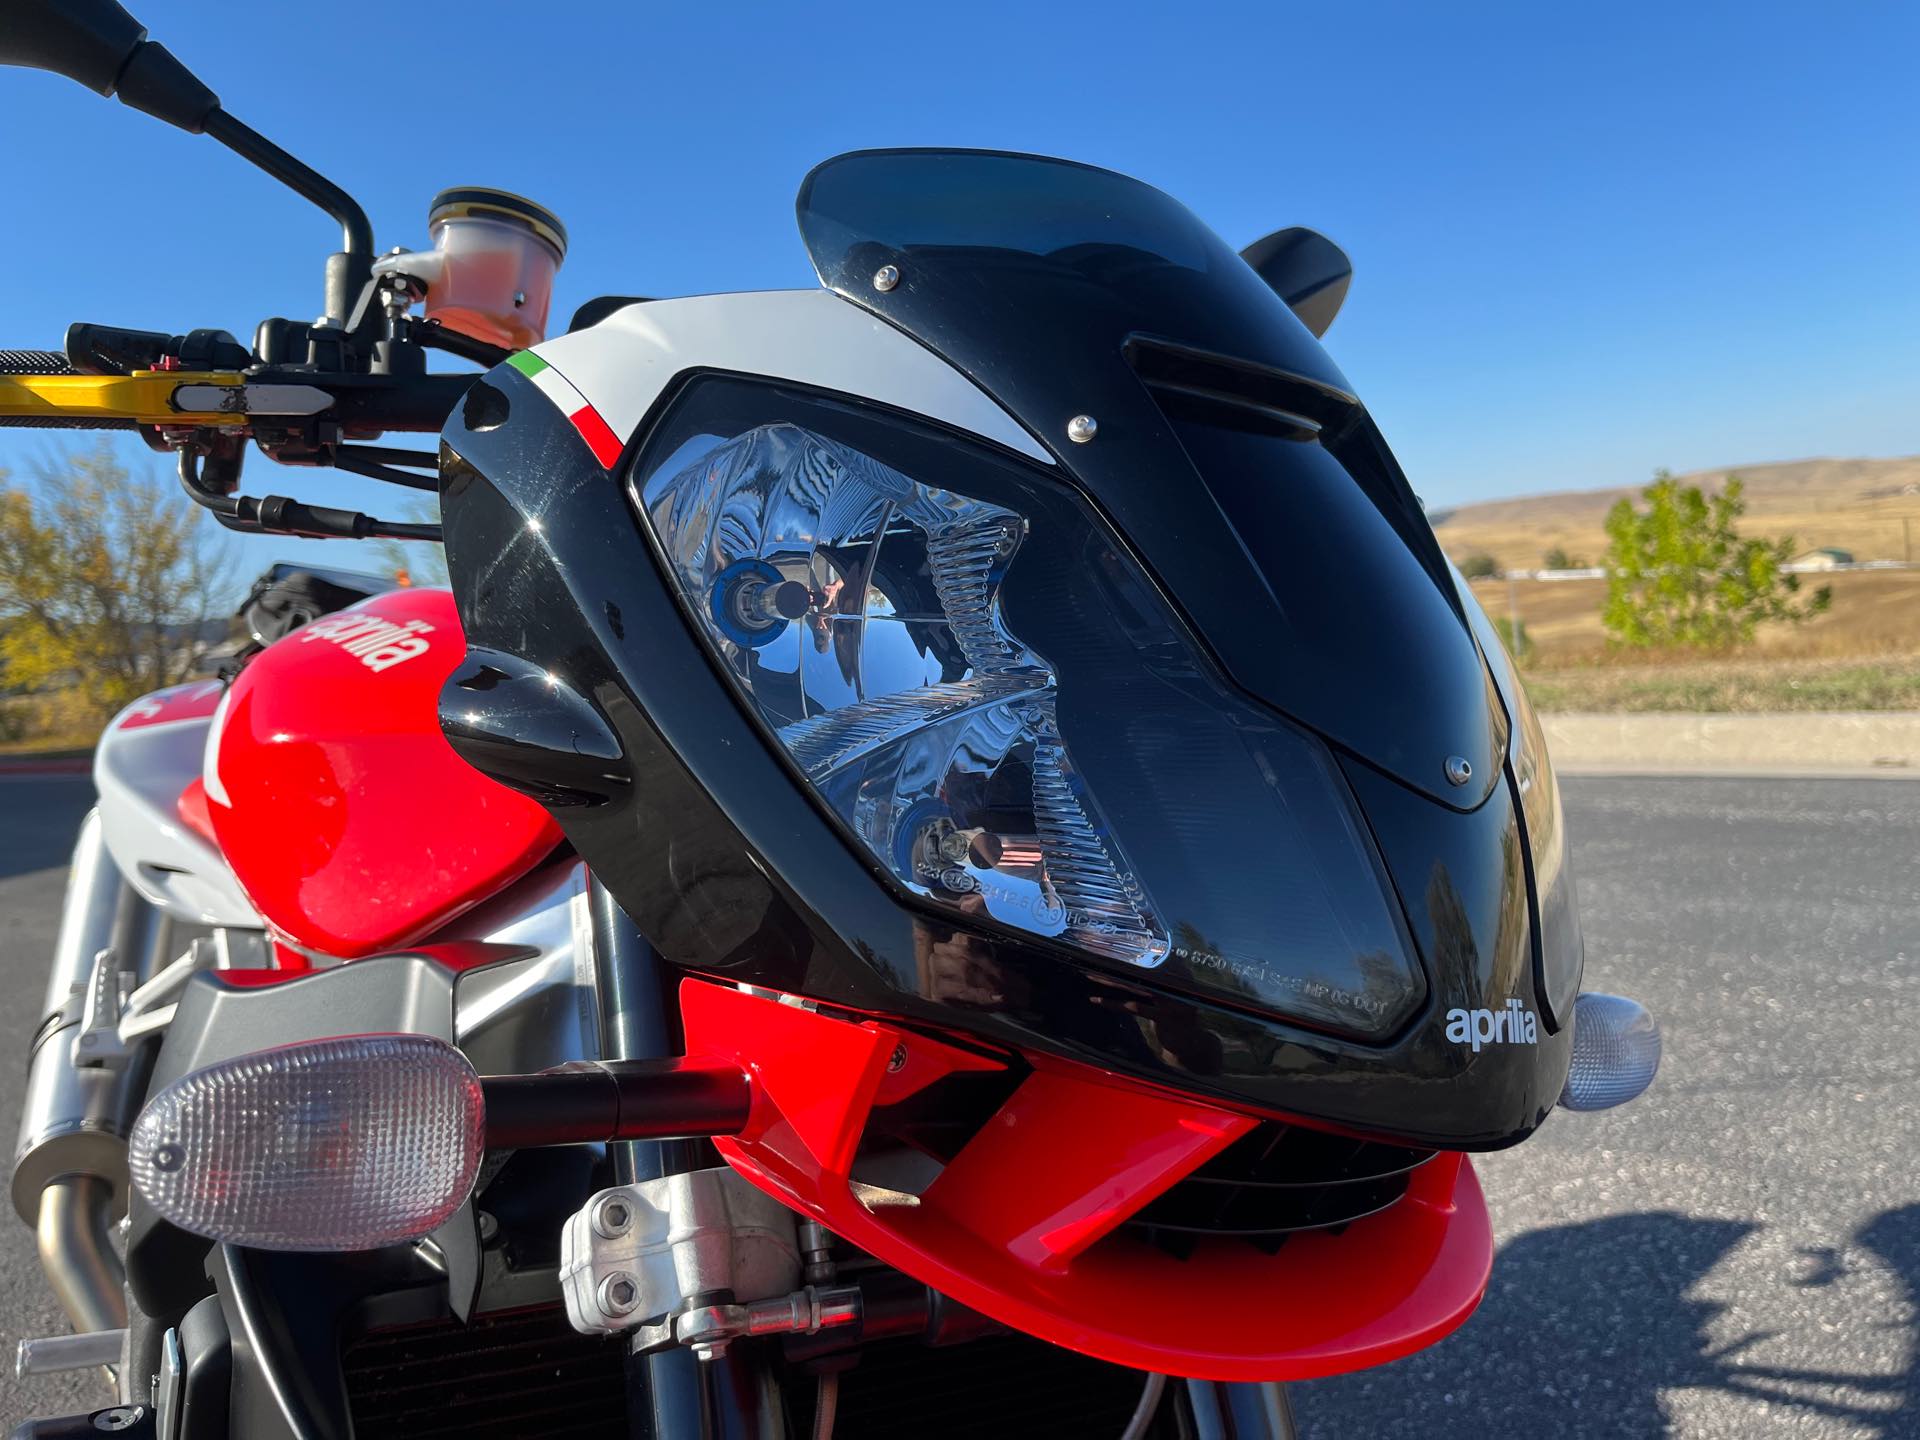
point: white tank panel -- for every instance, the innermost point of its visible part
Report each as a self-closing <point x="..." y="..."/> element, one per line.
<point x="140" y="772"/>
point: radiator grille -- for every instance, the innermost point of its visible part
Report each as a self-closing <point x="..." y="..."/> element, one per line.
<point x="1008" y="1387"/>
<point x="1276" y="1181"/>
<point x="511" y="1375"/>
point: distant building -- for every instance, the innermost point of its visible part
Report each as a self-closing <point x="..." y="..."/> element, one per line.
<point x="1825" y="558"/>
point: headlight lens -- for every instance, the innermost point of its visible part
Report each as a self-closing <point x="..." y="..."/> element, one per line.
<point x="994" y="700"/>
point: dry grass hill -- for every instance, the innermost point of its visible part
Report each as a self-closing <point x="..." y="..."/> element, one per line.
<point x="1864" y="653"/>
<point x="1854" y="505"/>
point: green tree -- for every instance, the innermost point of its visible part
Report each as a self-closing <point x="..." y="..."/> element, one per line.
<point x="1479" y="566"/>
<point x="1680" y="574"/>
<point x="105" y="581"/>
<point x="1558" y="559"/>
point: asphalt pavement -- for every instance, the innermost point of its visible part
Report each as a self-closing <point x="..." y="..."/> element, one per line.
<point x="1737" y="1254"/>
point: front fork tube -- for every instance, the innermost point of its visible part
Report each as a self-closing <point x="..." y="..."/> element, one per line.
<point x="671" y="1395"/>
<point x="1240" y="1411"/>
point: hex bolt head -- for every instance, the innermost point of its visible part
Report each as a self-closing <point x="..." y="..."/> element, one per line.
<point x="613" y="1216"/>
<point x="885" y="278"/>
<point x="1082" y="428"/>
<point x="619" y="1294"/>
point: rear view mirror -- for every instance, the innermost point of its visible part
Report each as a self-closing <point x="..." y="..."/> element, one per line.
<point x="1306" y="270"/>
<point x="85" y="40"/>
<point x="105" y="49"/>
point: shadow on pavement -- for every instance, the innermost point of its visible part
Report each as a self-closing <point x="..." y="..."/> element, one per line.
<point x="1585" y="1326"/>
<point x="1894" y="1238"/>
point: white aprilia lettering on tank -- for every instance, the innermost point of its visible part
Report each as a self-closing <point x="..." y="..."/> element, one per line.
<point x="1513" y="1024"/>
<point x="378" y="643"/>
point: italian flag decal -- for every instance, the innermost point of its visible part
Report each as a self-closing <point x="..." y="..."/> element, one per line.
<point x="595" y="431"/>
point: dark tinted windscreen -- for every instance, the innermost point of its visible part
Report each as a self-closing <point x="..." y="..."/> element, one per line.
<point x="1067" y="291"/>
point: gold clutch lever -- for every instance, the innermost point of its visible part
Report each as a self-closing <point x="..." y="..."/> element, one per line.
<point x="156" y="397"/>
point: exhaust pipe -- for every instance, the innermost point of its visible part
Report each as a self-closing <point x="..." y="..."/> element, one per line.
<point x="70" y="1161"/>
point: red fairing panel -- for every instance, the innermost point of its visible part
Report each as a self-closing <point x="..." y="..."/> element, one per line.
<point x="195" y="700"/>
<point x="348" y="819"/>
<point x="1022" y="1224"/>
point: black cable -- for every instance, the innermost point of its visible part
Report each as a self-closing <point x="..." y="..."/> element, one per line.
<point x="433" y="333"/>
<point x="394" y="455"/>
<point x="355" y="459"/>
<point x="283" y="515"/>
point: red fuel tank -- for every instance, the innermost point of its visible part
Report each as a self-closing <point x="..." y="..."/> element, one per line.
<point x="346" y="816"/>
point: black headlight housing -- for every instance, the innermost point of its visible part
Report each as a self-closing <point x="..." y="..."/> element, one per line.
<point x="983" y="689"/>
<point x="593" y="682"/>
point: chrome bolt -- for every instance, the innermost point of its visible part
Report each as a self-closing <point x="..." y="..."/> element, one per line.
<point x="619" y="1293"/>
<point x="519" y="298"/>
<point x="885" y="278"/>
<point x="121" y="1417"/>
<point x="709" y="1349"/>
<point x="1082" y="428"/>
<point x="613" y="1217"/>
<point x="1458" y="770"/>
<point x="168" y="1158"/>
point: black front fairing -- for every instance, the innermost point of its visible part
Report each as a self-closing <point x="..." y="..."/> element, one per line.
<point x="1229" y="449"/>
<point x="1231" y="459"/>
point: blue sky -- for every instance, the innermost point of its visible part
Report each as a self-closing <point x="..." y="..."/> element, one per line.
<point x="1587" y="241"/>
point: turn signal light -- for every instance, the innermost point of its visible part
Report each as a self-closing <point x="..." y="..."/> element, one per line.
<point x="344" y="1144"/>
<point x="1616" y="1052"/>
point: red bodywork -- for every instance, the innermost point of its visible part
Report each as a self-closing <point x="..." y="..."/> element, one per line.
<point x="1024" y="1223"/>
<point x="194" y="700"/>
<point x="347" y="818"/>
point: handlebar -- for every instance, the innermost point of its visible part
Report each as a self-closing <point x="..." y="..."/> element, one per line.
<point x="53" y="363"/>
<point x="298" y="415"/>
<point x="39" y="387"/>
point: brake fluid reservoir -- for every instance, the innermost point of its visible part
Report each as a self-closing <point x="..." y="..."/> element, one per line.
<point x="490" y="272"/>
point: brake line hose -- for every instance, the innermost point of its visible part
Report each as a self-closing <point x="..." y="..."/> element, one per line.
<point x="1148" y="1407"/>
<point x="826" y="1402"/>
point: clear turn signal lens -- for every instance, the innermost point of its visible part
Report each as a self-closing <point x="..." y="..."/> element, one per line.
<point x="344" y="1144"/>
<point x="1616" y="1052"/>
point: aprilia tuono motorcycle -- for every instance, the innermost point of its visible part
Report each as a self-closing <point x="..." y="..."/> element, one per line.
<point x="954" y="860"/>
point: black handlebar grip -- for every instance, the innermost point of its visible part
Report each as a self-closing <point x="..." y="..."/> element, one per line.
<point x="35" y="362"/>
<point x="48" y="362"/>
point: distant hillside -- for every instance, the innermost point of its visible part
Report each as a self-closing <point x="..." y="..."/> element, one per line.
<point x="1855" y="505"/>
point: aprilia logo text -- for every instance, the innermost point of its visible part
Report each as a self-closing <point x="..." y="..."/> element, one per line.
<point x="1513" y="1025"/>
<point x="378" y="642"/>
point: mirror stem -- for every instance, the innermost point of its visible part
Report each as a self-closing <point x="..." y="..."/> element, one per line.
<point x="344" y="282"/>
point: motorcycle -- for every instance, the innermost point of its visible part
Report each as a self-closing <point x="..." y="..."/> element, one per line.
<point x="954" y="855"/>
